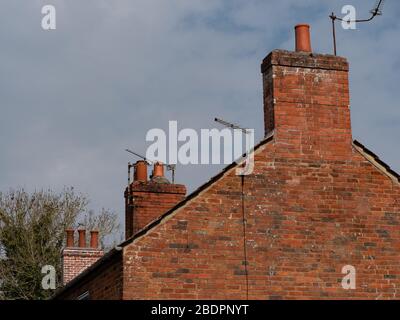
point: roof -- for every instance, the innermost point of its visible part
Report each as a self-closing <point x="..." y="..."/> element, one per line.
<point x="376" y="161"/>
<point x="117" y="250"/>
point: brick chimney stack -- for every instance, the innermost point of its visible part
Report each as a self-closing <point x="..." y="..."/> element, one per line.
<point x="147" y="199"/>
<point x="76" y="259"/>
<point x="306" y="101"/>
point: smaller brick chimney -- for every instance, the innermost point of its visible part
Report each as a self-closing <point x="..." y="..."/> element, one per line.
<point x="76" y="259"/>
<point x="146" y="200"/>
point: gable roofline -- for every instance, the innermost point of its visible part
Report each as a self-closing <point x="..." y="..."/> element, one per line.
<point x="364" y="151"/>
<point x="118" y="249"/>
<point x="376" y="161"/>
<point x="193" y="195"/>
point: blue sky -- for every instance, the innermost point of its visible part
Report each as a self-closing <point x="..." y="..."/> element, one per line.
<point x="74" y="98"/>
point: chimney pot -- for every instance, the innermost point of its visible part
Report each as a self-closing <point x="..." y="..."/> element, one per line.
<point x="158" y="170"/>
<point x="140" y="171"/>
<point x="303" y="39"/>
<point x="94" y="239"/>
<point x="82" y="238"/>
<point x="70" y="238"/>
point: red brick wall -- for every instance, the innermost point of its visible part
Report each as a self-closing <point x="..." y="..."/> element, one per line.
<point x="150" y="200"/>
<point x="305" y="221"/>
<point x="76" y="260"/>
<point x="314" y="204"/>
<point x="104" y="283"/>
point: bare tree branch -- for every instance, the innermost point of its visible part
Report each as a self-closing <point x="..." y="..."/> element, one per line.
<point x="32" y="234"/>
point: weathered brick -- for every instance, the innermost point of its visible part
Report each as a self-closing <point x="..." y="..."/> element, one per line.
<point x="315" y="202"/>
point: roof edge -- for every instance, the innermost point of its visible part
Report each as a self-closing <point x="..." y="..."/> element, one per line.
<point x="376" y="161"/>
<point x="191" y="196"/>
<point x="118" y="249"/>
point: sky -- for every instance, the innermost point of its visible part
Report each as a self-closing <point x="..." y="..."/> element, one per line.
<point x="72" y="99"/>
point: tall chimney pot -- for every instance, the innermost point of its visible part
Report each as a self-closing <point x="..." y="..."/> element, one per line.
<point x="140" y="171"/>
<point x="70" y="238"/>
<point x="303" y="39"/>
<point x="82" y="238"/>
<point x="158" y="170"/>
<point x="94" y="239"/>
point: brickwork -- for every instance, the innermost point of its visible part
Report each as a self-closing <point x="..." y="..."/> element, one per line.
<point x="306" y="101"/>
<point x="149" y="200"/>
<point x="305" y="221"/>
<point x="76" y="260"/>
<point x="103" y="283"/>
<point x="314" y="203"/>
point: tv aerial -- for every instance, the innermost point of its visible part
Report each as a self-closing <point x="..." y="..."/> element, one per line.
<point x="169" y="167"/>
<point x="149" y="162"/>
<point x="376" y="11"/>
<point x="231" y="125"/>
<point x="249" y="133"/>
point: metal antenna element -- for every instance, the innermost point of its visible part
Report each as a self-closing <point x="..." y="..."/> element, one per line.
<point x="376" y="11"/>
<point x="140" y="156"/>
<point x="231" y="125"/>
<point x="129" y="173"/>
<point x="169" y="167"/>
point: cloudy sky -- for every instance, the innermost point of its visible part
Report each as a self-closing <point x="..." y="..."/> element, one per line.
<point x="72" y="99"/>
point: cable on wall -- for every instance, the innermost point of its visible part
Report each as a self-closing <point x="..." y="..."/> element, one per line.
<point x="244" y="221"/>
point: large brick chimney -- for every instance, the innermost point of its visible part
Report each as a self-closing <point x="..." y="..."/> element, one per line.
<point x="147" y="199"/>
<point x="306" y="101"/>
<point x="75" y="259"/>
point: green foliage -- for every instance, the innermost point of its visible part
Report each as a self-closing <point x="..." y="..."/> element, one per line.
<point x="32" y="235"/>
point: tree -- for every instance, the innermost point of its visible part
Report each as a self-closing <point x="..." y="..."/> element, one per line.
<point x="32" y="235"/>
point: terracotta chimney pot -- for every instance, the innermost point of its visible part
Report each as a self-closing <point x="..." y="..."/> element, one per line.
<point x="82" y="238"/>
<point x="158" y="170"/>
<point x="94" y="239"/>
<point x="140" y="171"/>
<point x="303" y="39"/>
<point x="70" y="238"/>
